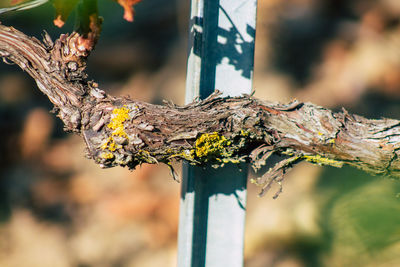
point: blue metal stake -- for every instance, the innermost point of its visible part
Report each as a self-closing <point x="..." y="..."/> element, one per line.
<point x="213" y="201"/>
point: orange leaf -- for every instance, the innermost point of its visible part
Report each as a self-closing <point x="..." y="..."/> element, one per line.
<point x="128" y="8"/>
<point x="58" y="21"/>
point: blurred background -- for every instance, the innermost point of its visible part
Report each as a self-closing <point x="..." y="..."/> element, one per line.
<point x="58" y="208"/>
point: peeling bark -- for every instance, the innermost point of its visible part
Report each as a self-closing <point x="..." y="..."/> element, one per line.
<point x="121" y="131"/>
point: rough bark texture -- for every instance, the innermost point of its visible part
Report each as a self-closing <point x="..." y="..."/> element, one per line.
<point x="125" y="132"/>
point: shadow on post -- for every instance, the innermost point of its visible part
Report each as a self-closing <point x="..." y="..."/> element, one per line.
<point x="220" y="46"/>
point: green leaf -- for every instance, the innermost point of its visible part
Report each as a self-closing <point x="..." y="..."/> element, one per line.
<point x="87" y="18"/>
<point x="63" y="10"/>
<point x="8" y="6"/>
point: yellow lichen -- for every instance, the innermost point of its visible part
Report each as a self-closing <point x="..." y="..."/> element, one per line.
<point x="110" y="144"/>
<point x="105" y="145"/>
<point x="113" y="146"/>
<point x="244" y="133"/>
<point x="107" y="155"/>
<point x="253" y="181"/>
<point x="118" y="118"/>
<point x="211" y="145"/>
<point x="229" y="160"/>
<point x="323" y="161"/>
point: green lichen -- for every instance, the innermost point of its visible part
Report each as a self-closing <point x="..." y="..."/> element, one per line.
<point x="322" y="160"/>
<point x="184" y="154"/>
<point x="144" y="156"/>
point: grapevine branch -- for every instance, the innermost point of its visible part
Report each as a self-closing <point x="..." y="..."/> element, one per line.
<point x="218" y="130"/>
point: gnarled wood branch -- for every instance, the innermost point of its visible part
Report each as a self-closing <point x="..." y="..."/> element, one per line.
<point x="125" y="132"/>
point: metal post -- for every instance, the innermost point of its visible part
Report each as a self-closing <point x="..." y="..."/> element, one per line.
<point x="213" y="201"/>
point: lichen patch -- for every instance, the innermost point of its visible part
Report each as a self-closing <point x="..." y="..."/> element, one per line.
<point x="211" y="146"/>
<point x="322" y="160"/>
<point x="118" y="118"/>
<point x="107" y="155"/>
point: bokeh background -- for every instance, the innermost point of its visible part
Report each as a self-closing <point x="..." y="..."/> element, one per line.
<point x="58" y="208"/>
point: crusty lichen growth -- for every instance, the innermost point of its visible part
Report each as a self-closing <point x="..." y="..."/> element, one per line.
<point x="118" y="118"/>
<point x="107" y="155"/>
<point x="322" y="160"/>
<point x="213" y="147"/>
